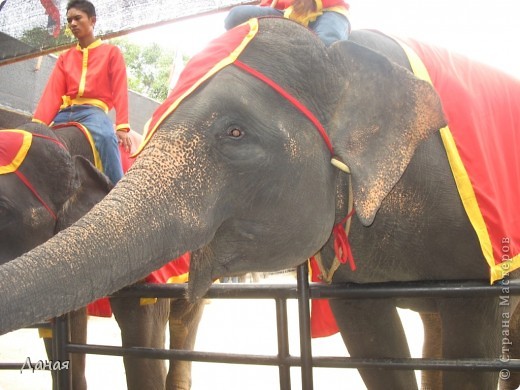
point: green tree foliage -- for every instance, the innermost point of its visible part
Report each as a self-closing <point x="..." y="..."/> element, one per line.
<point x="149" y="68"/>
<point x="40" y="38"/>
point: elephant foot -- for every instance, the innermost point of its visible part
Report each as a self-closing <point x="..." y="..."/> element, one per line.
<point x="171" y="384"/>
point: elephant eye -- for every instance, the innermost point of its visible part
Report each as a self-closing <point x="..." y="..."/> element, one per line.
<point x="235" y="132"/>
<point x="5" y="214"/>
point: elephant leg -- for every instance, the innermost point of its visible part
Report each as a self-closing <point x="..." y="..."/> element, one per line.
<point x="470" y="329"/>
<point x="184" y="322"/>
<point x="48" y="348"/>
<point x="432" y="349"/>
<point x="373" y="329"/>
<point x="142" y="326"/>
<point x="78" y="335"/>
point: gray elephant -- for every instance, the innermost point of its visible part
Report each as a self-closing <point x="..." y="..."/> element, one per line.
<point x="67" y="189"/>
<point x="236" y="168"/>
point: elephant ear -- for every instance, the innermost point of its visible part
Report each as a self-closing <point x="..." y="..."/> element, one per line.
<point x="383" y="113"/>
<point x="89" y="187"/>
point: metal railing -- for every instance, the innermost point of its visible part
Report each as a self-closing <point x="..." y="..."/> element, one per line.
<point x="303" y="292"/>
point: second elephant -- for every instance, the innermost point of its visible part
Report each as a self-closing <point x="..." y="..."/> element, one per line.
<point x="67" y="188"/>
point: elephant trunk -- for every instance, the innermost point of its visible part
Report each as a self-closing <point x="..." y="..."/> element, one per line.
<point x="120" y="241"/>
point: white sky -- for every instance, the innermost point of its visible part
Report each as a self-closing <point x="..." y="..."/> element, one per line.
<point x="487" y="31"/>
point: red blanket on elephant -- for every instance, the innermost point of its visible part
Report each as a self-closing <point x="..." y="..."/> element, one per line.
<point x="482" y="106"/>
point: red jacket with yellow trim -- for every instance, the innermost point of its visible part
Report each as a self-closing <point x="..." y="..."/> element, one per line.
<point x="284" y="4"/>
<point x="97" y="72"/>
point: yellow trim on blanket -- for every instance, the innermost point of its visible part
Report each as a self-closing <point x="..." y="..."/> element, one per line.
<point x="20" y="155"/>
<point x="97" y="158"/>
<point x="223" y="63"/>
<point x="147" y="301"/>
<point x="45" y="333"/>
<point x="179" y="279"/>
<point x="39" y="121"/>
<point x="467" y="195"/>
<point x="500" y="271"/>
<point x="464" y="187"/>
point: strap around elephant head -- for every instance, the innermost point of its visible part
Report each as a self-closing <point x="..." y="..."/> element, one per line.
<point x="13" y="149"/>
<point x="342" y="250"/>
<point x="222" y="52"/>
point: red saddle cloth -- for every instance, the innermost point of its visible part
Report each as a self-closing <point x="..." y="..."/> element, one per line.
<point x="482" y="106"/>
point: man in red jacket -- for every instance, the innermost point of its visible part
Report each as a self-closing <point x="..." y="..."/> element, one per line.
<point x="88" y="81"/>
<point x="327" y="18"/>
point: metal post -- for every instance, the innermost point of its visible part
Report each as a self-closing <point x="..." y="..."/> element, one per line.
<point x="60" y="339"/>
<point x="283" y="343"/>
<point x="302" y="277"/>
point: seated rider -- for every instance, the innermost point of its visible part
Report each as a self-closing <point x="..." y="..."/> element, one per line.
<point x="327" y="18"/>
<point x="87" y="81"/>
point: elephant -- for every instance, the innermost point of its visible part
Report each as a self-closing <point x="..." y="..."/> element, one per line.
<point x="68" y="189"/>
<point x="69" y="186"/>
<point x="236" y="168"/>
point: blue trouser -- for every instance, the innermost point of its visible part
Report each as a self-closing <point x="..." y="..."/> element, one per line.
<point x="102" y="130"/>
<point x="330" y="26"/>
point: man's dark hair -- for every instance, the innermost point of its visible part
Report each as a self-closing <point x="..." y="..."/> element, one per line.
<point x="83" y="5"/>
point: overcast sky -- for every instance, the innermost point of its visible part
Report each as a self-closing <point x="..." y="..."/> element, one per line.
<point x="485" y="30"/>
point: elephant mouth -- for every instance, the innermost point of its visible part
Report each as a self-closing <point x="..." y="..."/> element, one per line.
<point x="201" y="273"/>
<point x="198" y="285"/>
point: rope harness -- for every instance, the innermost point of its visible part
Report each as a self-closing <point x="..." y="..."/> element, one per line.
<point x="342" y="249"/>
<point x="225" y="51"/>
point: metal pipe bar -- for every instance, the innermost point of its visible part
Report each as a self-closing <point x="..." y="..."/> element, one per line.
<point x="220" y="291"/>
<point x="418" y="364"/>
<point x="422" y="289"/>
<point x="304" y="314"/>
<point x="177" y="354"/>
<point x="294" y="361"/>
<point x="14" y="366"/>
<point x="315" y="291"/>
<point x="282" y="328"/>
<point x="60" y="341"/>
<point x="417" y="289"/>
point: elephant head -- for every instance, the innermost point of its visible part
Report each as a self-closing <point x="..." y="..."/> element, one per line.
<point x="236" y="169"/>
<point x="43" y="188"/>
